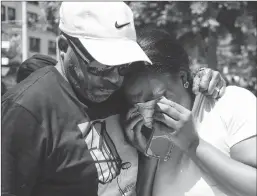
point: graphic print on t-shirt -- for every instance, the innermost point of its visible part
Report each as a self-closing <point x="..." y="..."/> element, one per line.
<point x="125" y="183"/>
<point x="125" y="178"/>
<point x="102" y="150"/>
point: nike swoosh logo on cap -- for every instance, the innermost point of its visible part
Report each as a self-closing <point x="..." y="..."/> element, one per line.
<point x="122" y="25"/>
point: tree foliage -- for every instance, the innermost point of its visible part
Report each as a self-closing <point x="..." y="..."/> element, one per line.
<point x="50" y="10"/>
<point x="14" y="51"/>
<point x="219" y="35"/>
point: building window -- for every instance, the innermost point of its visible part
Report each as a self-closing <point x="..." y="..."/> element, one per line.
<point x="34" y="44"/>
<point x="33" y="2"/>
<point x="11" y="13"/>
<point x="3" y="13"/>
<point x="32" y="18"/>
<point x="52" y="47"/>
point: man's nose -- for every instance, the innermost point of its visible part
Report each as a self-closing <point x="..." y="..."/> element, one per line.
<point x="114" y="77"/>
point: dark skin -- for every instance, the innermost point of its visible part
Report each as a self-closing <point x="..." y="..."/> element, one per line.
<point x="87" y="85"/>
<point x="91" y="89"/>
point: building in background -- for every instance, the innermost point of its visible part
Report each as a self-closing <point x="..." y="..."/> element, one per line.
<point x="39" y="40"/>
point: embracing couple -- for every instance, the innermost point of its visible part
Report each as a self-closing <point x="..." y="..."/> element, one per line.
<point x="82" y="127"/>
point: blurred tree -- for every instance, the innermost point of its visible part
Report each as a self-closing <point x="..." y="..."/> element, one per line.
<point x="50" y="10"/>
<point x="13" y="53"/>
<point x="219" y="35"/>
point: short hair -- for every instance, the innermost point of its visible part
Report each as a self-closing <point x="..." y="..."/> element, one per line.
<point x="165" y="52"/>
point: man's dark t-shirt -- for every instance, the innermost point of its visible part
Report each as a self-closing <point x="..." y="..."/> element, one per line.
<point x="44" y="150"/>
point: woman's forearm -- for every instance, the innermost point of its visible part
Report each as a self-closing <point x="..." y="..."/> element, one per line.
<point x="146" y="173"/>
<point x="230" y="174"/>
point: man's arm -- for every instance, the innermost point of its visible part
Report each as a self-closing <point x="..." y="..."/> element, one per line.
<point x="21" y="149"/>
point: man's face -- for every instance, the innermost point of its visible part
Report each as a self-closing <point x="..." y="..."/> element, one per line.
<point x="89" y="78"/>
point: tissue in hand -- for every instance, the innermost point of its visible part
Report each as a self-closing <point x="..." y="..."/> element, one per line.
<point x="146" y="109"/>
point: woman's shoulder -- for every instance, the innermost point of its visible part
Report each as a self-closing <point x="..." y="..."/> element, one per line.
<point x="236" y="101"/>
<point x="238" y="90"/>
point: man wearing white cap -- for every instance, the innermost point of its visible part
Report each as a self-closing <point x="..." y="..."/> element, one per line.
<point x="53" y="143"/>
<point x="60" y="136"/>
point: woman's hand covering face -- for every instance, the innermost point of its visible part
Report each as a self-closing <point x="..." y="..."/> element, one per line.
<point x="209" y="82"/>
<point x="132" y="125"/>
<point x="178" y="122"/>
<point x="170" y="117"/>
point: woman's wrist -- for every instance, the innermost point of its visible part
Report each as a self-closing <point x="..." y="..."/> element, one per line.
<point x="192" y="149"/>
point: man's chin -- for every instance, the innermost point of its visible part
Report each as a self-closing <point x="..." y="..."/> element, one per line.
<point x="99" y="97"/>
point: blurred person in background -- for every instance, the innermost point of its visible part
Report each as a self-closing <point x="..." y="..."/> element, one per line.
<point x="61" y="134"/>
<point x="32" y="64"/>
<point x="9" y="75"/>
<point x="214" y="141"/>
<point x="3" y="88"/>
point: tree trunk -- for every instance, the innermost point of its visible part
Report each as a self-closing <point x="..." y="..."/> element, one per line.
<point x="212" y="61"/>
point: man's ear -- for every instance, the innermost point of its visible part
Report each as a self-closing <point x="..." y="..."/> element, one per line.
<point x="63" y="44"/>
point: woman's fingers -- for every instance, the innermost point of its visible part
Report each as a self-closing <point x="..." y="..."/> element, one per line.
<point x="129" y="126"/>
<point x="211" y="83"/>
<point x="171" y="113"/>
<point x="215" y="80"/>
<point x="165" y="119"/>
<point x="222" y="87"/>
<point x="222" y="90"/>
<point x="131" y="113"/>
<point x="205" y="78"/>
<point x="217" y="84"/>
<point x="169" y="110"/>
<point x="130" y="123"/>
<point x="172" y="104"/>
<point x="196" y="84"/>
<point x="215" y="92"/>
<point x="140" y="140"/>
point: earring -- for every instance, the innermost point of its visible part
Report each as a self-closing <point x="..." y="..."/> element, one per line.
<point x="186" y="84"/>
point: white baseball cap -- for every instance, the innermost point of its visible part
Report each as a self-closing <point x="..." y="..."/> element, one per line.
<point x="105" y="29"/>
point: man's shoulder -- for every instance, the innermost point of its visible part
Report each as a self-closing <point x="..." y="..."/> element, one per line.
<point x="38" y="86"/>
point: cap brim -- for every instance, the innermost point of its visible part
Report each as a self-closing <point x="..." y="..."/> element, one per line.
<point x="114" y="52"/>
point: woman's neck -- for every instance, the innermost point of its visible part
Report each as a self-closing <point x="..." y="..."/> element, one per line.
<point x="186" y="99"/>
<point x="192" y="98"/>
